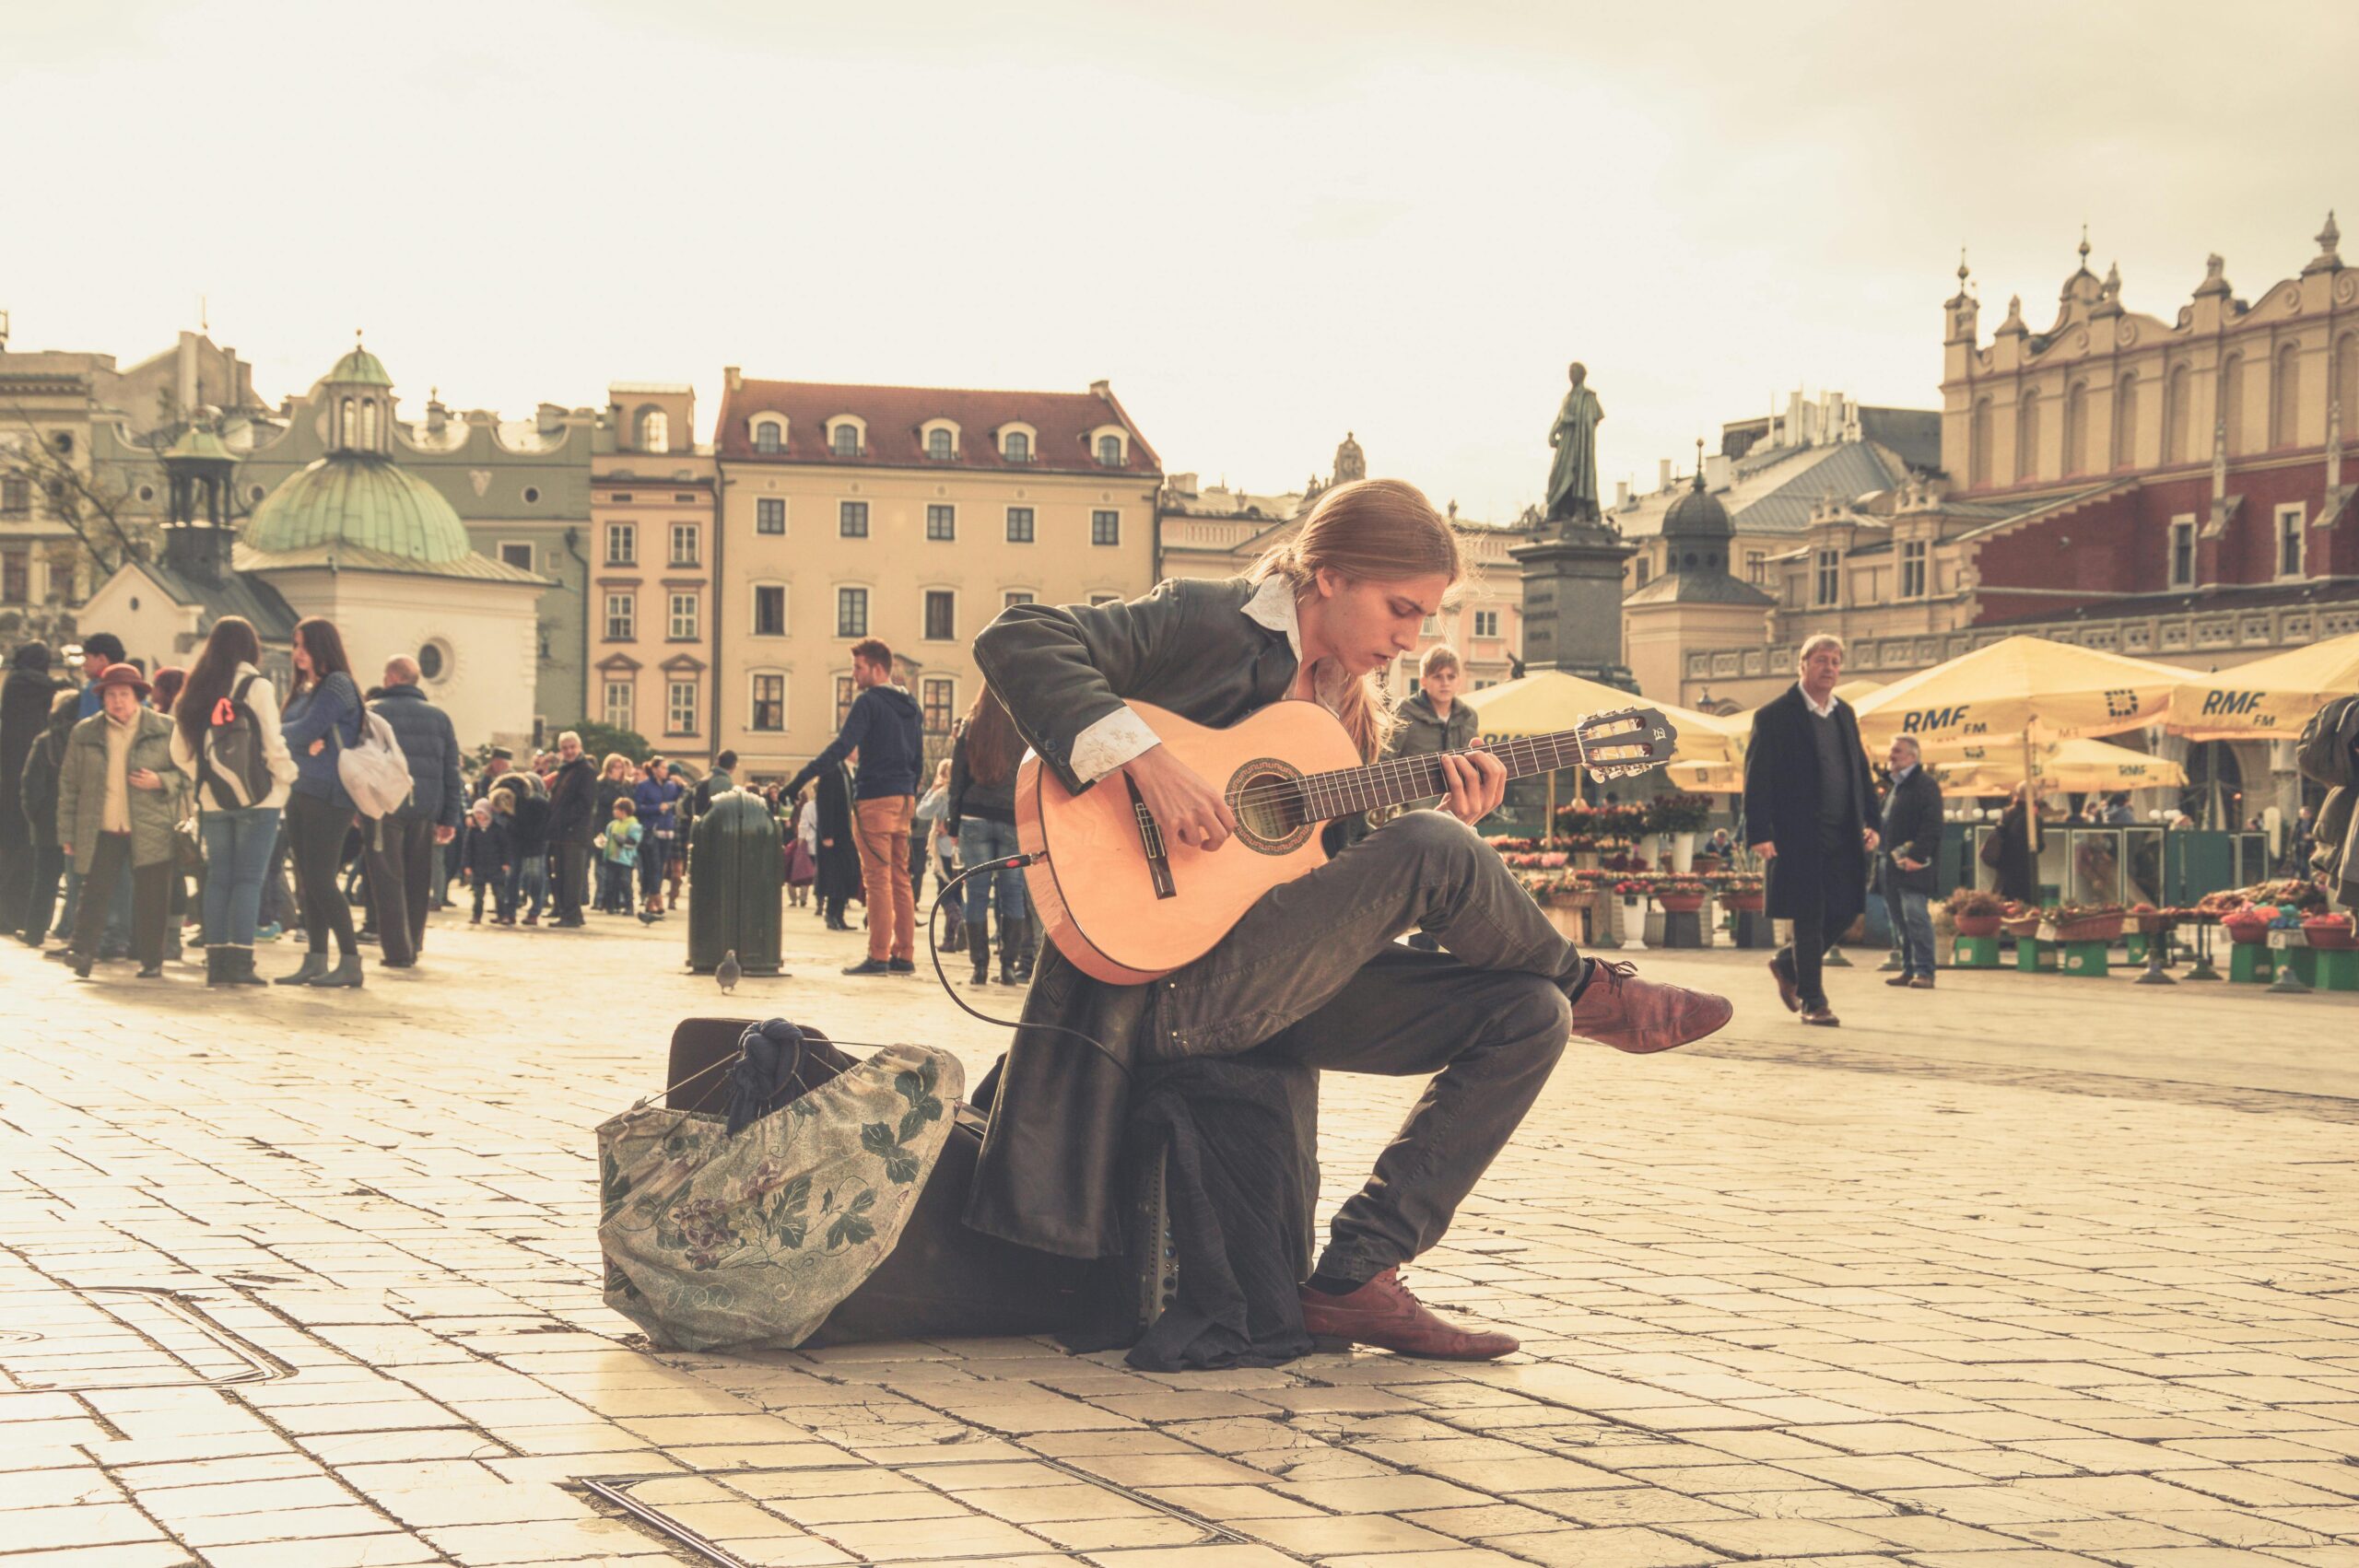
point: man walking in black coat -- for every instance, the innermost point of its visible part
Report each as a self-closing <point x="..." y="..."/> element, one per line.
<point x="402" y="844"/>
<point x="1807" y="803"/>
<point x="573" y="823"/>
<point x="1912" y="839"/>
<point x="24" y="698"/>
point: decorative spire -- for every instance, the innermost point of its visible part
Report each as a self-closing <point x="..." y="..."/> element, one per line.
<point x="1961" y="269"/>
<point x="2215" y="275"/>
<point x="1699" y="466"/>
<point x="2328" y="237"/>
<point x="2084" y="245"/>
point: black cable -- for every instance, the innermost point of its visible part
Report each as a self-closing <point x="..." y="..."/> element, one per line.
<point x="933" y="949"/>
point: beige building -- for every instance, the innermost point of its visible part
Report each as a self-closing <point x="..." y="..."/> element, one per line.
<point x="913" y="514"/>
<point x="1214" y="531"/>
<point x="654" y="549"/>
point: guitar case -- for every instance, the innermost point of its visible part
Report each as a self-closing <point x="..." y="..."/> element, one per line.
<point x="942" y="1279"/>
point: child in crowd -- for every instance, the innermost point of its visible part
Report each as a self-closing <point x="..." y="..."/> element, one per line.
<point x="484" y="862"/>
<point x="619" y="865"/>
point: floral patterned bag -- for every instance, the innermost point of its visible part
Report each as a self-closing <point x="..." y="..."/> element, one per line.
<point x="750" y="1242"/>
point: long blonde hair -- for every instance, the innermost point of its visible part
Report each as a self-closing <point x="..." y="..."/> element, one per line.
<point x="1372" y="530"/>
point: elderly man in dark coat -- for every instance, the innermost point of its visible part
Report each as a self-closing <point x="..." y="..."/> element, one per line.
<point x="24" y="697"/>
<point x="1808" y="800"/>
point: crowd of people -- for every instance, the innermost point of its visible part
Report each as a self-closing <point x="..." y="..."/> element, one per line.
<point x="137" y="805"/>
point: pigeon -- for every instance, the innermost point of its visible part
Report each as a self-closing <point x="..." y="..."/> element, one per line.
<point x="729" y="974"/>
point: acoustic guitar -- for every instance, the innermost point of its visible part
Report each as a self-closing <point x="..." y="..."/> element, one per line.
<point x="1128" y="907"/>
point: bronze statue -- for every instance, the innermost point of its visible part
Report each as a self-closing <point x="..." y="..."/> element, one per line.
<point x="1572" y="479"/>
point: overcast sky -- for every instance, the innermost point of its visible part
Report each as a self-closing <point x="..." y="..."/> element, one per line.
<point x="1264" y="223"/>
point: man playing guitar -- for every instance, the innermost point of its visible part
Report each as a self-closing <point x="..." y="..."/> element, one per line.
<point x="1311" y="973"/>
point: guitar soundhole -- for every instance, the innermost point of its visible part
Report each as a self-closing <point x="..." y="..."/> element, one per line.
<point x="1267" y="806"/>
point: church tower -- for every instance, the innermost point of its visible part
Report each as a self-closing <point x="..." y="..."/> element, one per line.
<point x="359" y="396"/>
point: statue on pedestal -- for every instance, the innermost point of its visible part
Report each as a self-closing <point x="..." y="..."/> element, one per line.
<point x="1572" y="480"/>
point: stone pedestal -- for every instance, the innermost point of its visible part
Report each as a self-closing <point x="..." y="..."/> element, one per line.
<point x="1572" y="603"/>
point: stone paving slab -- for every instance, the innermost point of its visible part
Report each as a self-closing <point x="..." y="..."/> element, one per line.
<point x="2025" y="1270"/>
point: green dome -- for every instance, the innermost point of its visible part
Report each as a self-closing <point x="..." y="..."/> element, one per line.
<point x="359" y="498"/>
<point x="360" y="368"/>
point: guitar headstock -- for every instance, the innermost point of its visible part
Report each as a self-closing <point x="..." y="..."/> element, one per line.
<point x="1625" y="741"/>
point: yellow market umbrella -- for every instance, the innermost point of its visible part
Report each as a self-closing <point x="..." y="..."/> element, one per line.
<point x="1552" y="700"/>
<point x="2079" y="762"/>
<point x="2023" y="688"/>
<point x="1857" y="692"/>
<point x="2269" y="699"/>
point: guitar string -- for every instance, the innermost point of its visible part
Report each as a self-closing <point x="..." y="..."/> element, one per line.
<point x="1341" y="787"/>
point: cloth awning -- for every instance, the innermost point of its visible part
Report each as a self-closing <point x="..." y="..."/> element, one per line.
<point x="2079" y="764"/>
<point x="2269" y="699"/>
<point x="2021" y="686"/>
<point x="1552" y="700"/>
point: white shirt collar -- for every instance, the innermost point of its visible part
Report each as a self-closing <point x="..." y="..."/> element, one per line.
<point x="1273" y="607"/>
<point x="1824" y="712"/>
<point x="1898" y="773"/>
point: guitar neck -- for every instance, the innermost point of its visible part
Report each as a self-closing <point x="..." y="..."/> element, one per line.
<point x="1397" y="780"/>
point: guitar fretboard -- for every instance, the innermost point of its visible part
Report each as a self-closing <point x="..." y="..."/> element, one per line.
<point x="1322" y="796"/>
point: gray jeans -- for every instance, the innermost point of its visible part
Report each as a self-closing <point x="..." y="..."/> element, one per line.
<point x="1312" y="974"/>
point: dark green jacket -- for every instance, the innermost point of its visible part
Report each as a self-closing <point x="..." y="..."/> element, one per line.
<point x="82" y="789"/>
<point x="1421" y="733"/>
<point x="1049" y="1174"/>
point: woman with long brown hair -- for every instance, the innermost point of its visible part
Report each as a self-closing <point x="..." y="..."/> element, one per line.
<point x="981" y="811"/>
<point x="1312" y="975"/>
<point x="227" y="736"/>
<point x="323" y="717"/>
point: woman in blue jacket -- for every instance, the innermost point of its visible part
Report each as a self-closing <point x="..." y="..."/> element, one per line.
<point x="656" y="798"/>
<point x="320" y="720"/>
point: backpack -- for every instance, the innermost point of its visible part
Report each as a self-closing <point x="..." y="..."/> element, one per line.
<point x="232" y="771"/>
<point x="373" y="771"/>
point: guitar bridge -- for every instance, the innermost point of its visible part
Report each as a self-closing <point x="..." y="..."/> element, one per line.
<point x="1158" y="862"/>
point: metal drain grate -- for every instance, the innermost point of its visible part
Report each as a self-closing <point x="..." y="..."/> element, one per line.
<point x="62" y="1340"/>
<point x="974" y="1512"/>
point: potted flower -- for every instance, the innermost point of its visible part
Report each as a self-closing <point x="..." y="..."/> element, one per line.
<point x="2018" y="921"/>
<point x="1680" y="894"/>
<point x="2330" y="933"/>
<point x="1682" y="816"/>
<point x="1976" y="912"/>
<point x="1742" y="892"/>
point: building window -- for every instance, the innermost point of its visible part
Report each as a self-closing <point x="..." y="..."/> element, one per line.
<point x="939" y="698"/>
<point x="654" y="431"/>
<point x="622" y="544"/>
<point x="770" y="704"/>
<point x="769" y="515"/>
<point x="531" y="495"/>
<point x="1639" y="572"/>
<point x="1756" y="566"/>
<point x="852" y="519"/>
<point x="680" y="707"/>
<point x="941" y="614"/>
<point x="845" y="440"/>
<point x="1486" y="623"/>
<point x="16" y="497"/>
<point x="769" y="438"/>
<point x="1019" y="525"/>
<point x="1110" y="452"/>
<point x="517" y="553"/>
<point x="937" y="445"/>
<point x="1912" y="568"/>
<point x="684" y="618"/>
<point x="845" y="692"/>
<point x="1830" y="577"/>
<point x="2285" y="397"/>
<point x="684" y="544"/>
<point x="1015" y="596"/>
<point x="15" y="577"/>
<point x="2289" y="541"/>
<point x="851" y="612"/>
<point x="2183" y="552"/>
<point x="1018" y="447"/>
<point x="622" y="616"/>
<point x="616" y="711"/>
<point x="769" y="609"/>
<point x="940" y="522"/>
<point x="1106" y="527"/>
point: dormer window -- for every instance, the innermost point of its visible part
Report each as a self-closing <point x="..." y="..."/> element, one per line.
<point x="843" y="440"/>
<point x="1110" y="452"/>
<point x="655" y="430"/>
<point x="769" y="436"/>
<point x="1016" y="447"/>
<point x="938" y="445"/>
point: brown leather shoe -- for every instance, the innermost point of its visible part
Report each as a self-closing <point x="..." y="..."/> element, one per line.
<point x="1788" y="991"/>
<point x="1382" y="1313"/>
<point x="1921" y="983"/>
<point x="1618" y="1008"/>
<point x="1821" y="1016"/>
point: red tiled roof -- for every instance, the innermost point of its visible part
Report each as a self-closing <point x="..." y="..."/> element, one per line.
<point x="1062" y="423"/>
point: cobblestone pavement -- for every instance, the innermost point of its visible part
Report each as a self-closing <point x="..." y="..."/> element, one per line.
<point x="2024" y="1272"/>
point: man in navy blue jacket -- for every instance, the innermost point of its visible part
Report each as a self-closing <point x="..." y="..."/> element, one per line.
<point x="884" y="727"/>
<point x="401" y="842"/>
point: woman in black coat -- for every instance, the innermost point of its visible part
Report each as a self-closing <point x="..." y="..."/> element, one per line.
<point x="24" y="697"/>
<point x="838" y="853"/>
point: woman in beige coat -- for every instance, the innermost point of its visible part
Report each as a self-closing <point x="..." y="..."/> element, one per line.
<point x="119" y="796"/>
